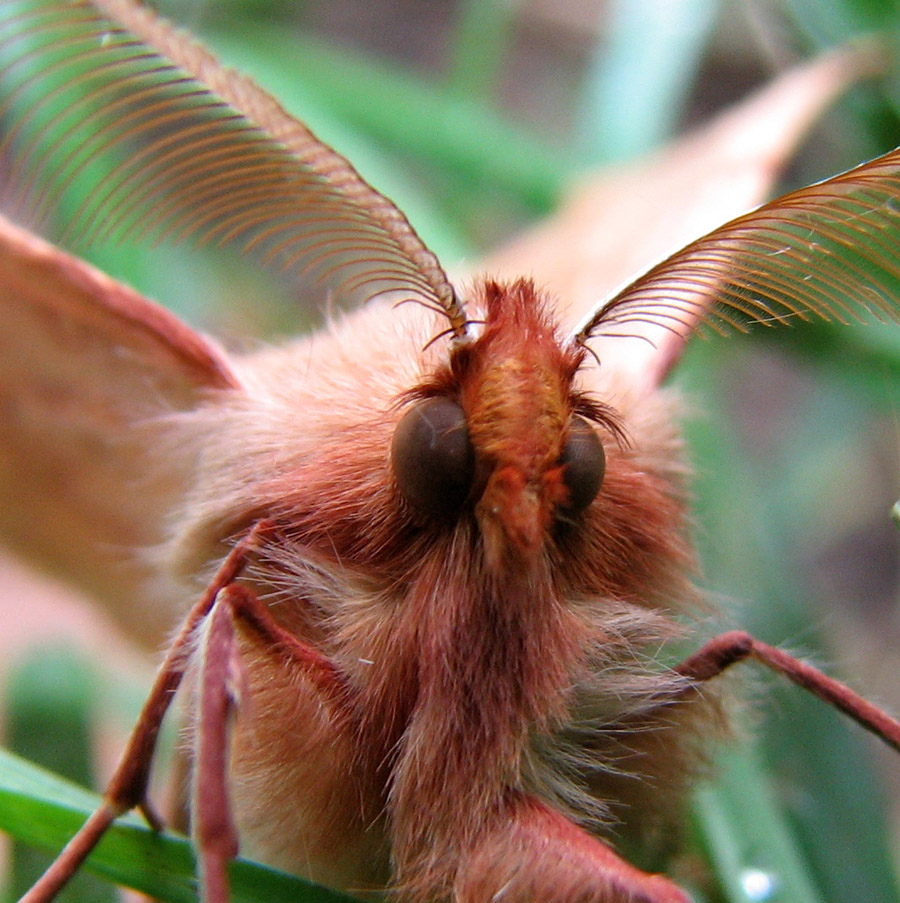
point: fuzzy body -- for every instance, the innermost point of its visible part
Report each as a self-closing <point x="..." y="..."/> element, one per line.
<point x="493" y="656"/>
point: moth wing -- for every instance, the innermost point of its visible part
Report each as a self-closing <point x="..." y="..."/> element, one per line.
<point x="87" y="370"/>
<point x="616" y="224"/>
<point x="825" y="252"/>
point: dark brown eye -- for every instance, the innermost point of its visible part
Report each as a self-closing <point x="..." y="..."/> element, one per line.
<point x="432" y="457"/>
<point x="585" y="464"/>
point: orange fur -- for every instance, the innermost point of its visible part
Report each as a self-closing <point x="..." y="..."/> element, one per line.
<point x="473" y="670"/>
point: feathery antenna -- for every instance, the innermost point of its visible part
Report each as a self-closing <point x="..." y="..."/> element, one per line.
<point x="199" y="152"/>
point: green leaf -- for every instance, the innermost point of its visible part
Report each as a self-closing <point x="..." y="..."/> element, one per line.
<point x="41" y="809"/>
<point x="750" y="844"/>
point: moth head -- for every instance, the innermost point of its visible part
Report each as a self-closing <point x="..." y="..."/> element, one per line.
<point x="501" y="433"/>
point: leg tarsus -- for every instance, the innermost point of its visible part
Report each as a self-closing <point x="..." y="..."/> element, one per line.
<point x="254" y="616"/>
<point x="716" y="655"/>
<point x="71" y="856"/>
<point x="128" y="787"/>
<point x="151" y="816"/>
<point x="220" y="685"/>
<point x="214" y="878"/>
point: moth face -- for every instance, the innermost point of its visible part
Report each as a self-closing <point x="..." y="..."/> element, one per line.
<point x="502" y="440"/>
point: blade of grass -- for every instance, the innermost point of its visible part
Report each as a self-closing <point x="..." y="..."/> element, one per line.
<point x="42" y="809"/>
<point x="639" y="79"/>
<point x="479" y="47"/>
<point x="751" y="846"/>
<point x="49" y="712"/>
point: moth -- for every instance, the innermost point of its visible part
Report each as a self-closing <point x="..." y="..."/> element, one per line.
<point x="433" y="551"/>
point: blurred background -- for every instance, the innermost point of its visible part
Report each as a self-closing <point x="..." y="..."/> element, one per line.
<point x="475" y="117"/>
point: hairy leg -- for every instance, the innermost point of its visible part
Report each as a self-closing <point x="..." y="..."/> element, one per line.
<point x="736" y="646"/>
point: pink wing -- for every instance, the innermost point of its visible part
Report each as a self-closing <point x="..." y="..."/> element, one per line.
<point x="87" y="367"/>
<point x="619" y="222"/>
<point x="191" y="151"/>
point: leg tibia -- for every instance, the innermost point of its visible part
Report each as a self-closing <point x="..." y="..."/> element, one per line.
<point x="736" y="646"/>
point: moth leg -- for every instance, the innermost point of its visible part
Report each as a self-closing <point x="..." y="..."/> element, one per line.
<point x="128" y="787"/>
<point x="218" y="695"/>
<point x="736" y="646"/>
<point x="539" y="854"/>
<point x="220" y="692"/>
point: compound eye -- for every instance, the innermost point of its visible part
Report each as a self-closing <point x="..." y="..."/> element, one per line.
<point x="432" y="457"/>
<point x="585" y="464"/>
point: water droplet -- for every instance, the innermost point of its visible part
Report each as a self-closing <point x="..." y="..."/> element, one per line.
<point x="758" y="884"/>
